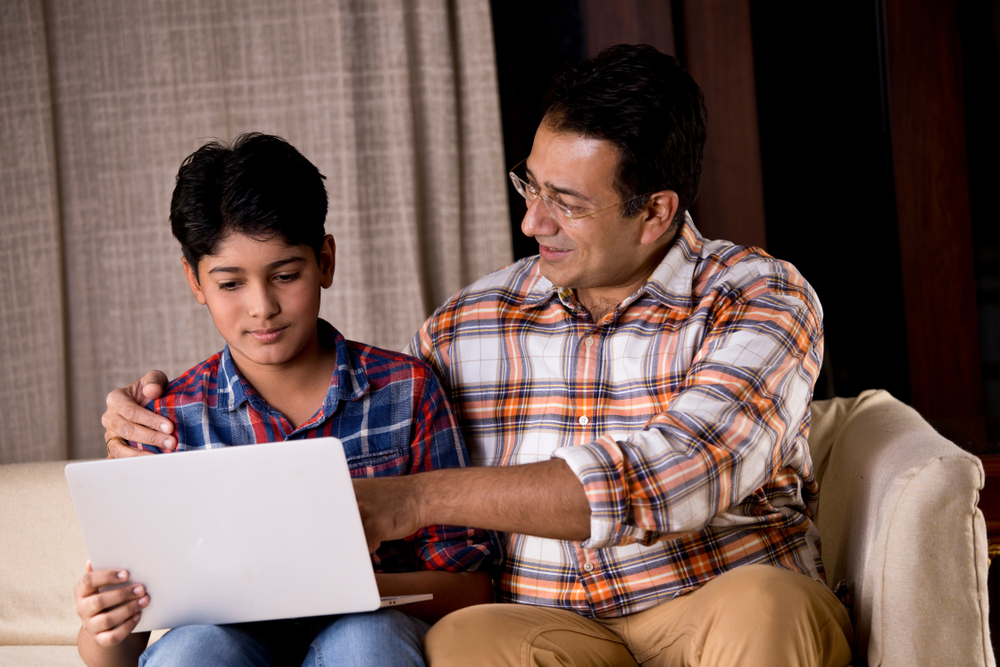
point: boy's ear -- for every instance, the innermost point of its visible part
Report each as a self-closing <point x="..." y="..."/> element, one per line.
<point x="658" y="214"/>
<point x="192" y="279"/>
<point x="327" y="260"/>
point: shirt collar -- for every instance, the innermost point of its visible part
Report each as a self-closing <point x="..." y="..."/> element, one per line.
<point x="349" y="381"/>
<point x="672" y="282"/>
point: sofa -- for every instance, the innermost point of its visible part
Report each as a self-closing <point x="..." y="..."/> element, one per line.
<point x="897" y="514"/>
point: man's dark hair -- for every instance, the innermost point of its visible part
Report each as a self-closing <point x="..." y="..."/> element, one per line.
<point x="644" y="103"/>
<point x="260" y="186"/>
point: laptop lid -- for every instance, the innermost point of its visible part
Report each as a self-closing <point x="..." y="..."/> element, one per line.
<point x="230" y="535"/>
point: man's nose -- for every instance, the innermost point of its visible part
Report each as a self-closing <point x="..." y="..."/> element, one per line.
<point x="539" y="220"/>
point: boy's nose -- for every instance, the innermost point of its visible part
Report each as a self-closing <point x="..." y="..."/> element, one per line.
<point x="263" y="304"/>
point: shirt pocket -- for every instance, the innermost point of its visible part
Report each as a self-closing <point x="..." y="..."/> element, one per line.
<point x="388" y="462"/>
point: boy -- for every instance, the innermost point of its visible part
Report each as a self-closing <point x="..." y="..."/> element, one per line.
<point x="250" y="220"/>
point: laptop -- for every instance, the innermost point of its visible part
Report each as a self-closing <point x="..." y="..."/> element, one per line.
<point x="231" y="535"/>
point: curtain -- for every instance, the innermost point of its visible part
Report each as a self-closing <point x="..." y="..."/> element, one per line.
<point x="100" y="100"/>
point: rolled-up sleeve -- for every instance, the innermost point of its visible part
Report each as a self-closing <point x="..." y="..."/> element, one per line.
<point x="737" y="420"/>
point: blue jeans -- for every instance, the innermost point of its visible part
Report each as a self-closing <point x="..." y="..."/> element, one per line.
<point x="386" y="637"/>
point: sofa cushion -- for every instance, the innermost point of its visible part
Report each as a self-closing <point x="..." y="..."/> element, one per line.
<point x="42" y="556"/>
<point x="40" y="656"/>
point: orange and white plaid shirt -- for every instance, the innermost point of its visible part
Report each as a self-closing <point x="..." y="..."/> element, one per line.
<point x="684" y="413"/>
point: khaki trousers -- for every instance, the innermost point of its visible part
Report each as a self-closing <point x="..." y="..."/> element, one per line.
<point x="752" y="615"/>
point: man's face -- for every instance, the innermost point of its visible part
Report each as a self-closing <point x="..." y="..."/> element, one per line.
<point x="264" y="297"/>
<point x="600" y="256"/>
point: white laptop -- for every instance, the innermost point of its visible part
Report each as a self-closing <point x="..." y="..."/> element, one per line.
<point x="231" y="535"/>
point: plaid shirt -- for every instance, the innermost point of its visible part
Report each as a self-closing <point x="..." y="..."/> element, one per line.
<point x="684" y="413"/>
<point x="387" y="408"/>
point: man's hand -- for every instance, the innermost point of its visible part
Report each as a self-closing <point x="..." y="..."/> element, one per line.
<point x="126" y="418"/>
<point x="389" y="508"/>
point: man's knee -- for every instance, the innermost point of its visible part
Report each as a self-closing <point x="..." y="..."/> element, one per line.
<point x="761" y="606"/>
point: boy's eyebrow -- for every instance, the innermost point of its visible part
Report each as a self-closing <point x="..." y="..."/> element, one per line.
<point x="273" y="265"/>
<point x="556" y="188"/>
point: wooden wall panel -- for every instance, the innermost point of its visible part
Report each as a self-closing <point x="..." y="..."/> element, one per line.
<point x="717" y="50"/>
<point x="611" y="22"/>
<point x="926" y="111"/>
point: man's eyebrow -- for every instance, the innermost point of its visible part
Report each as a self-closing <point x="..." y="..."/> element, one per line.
<point x="273" y="265"/>
<point x="561" y="190"/>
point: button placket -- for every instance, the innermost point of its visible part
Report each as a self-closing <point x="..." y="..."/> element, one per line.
<point x="588" y="361"/>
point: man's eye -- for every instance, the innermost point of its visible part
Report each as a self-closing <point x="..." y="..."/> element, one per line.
<point x="532" y="188"/>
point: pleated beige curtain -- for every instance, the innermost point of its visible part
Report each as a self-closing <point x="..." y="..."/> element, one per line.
<point x="394" y="100"/>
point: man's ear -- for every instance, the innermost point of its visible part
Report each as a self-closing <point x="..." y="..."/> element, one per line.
<point x="657" y="215"/>
<point x="192" y="279"/>
<point x="327" y="260"/>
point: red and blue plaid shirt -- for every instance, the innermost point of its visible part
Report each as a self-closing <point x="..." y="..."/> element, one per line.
<point x="387" y="408"/>
<point x="684" y="413"/>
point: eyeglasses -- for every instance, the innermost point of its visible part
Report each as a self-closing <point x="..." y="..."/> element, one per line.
<point x="531" y="193"/>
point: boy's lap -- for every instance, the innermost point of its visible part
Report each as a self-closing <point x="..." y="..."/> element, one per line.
<point x="353" y="638"/>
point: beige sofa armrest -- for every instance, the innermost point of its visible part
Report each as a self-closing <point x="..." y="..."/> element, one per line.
<point x="898" y="518"/>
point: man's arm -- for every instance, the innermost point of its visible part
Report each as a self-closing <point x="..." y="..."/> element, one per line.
<point x="126" y="418"/>
<point x="544" y="499"/>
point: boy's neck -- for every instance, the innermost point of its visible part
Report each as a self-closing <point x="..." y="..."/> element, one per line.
<point x="298" y="388"/>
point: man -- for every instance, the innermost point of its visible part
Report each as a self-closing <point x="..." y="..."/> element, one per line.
<point x="637" y="399"/>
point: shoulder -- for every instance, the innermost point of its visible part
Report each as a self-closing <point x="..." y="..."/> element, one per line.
<point x="488" y="297"/>
<point x="507" y="285"/>
<point x="743" y="273"/>
<point x="383" y="367"/>
<point x="195" y="385"/>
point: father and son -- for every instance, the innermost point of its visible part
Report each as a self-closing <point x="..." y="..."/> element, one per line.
<point x="634" y="401"/>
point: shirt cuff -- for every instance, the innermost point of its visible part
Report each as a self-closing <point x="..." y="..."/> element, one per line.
<point x="599" y="466"/>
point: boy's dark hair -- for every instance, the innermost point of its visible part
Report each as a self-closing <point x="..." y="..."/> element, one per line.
<point x="260" y="187"/>
<point x="644" y="103"/>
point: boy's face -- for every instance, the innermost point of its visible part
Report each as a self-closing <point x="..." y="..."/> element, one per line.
<point x="263" y="296"/>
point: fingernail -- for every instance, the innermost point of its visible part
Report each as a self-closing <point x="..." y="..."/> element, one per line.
<point x="136" y="617"/>
<point x="165" y="428"/>
<point x="137" y="590"/>
<point x="143" y="602"/>
<point x="122" y="574"/>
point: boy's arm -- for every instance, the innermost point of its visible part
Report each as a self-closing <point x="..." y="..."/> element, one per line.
<point x="451" y="590"/>
<point x="108" y="618"/>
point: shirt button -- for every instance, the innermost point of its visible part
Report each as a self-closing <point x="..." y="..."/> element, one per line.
<point x="583" y="420"/>
<point x="589" y="342"/>
<point x="588" y="567"/>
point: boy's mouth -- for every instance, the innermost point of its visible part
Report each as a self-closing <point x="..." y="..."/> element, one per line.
<point x="267" y="335"/>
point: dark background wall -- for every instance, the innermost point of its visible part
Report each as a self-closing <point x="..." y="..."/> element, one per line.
<point x="857" y="141"/>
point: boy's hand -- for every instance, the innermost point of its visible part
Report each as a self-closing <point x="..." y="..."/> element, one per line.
<point x="126" y="418"/>
<point x="111" y="616"/>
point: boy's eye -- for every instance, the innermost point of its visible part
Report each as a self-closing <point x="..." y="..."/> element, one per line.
<point x="229" y="286"/>
<point x="286" y="277"/>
